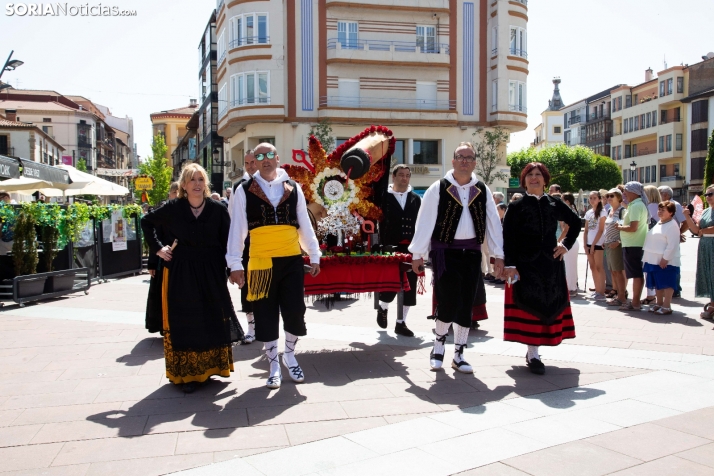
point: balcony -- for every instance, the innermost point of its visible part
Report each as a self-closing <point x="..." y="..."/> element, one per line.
<point x="392" y="46"/>
<point x="248" y="41"/>
<point x="671" y="178"/>
<point x="518" y="52"/>
<point x="574" y="119"/>
<point x="671" y="115"/>
<point x="387" y="103"/>
<point x="517" y="108"/>
<point x="83" y="144"/>
<point x="7" y="151"/>
<point x="250" y="101"/>
<point x="594" y="116"/>
<point x="523" y="2"/>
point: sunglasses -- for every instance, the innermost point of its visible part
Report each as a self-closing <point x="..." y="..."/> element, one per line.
<point x="610" y="195"/>
<point x="709" y="194"/>
<point x="269" y="155"/>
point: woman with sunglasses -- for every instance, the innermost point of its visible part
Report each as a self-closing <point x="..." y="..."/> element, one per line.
<point x="661" y="257"/>
<point x="613" y="248"/>
<point x="705" y="254"/>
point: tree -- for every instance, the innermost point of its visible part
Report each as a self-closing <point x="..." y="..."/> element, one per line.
<point x="488" y="145"/>
<point x="567" y="165"/>
<point x="709" y="166"/>
<point x="604" y="174"/>
<point x="157" y="167"/>
<point x="323" y="132"/>
<point x="81" y="165"/>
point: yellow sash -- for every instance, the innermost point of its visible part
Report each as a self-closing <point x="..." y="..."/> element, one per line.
<point x="266" y="243"/>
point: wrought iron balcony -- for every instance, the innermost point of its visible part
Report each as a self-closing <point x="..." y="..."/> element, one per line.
<point x="384" y="45"/>
<point x="249" y="40"/>
<point x="518" y="52"/>
<point x="8" y="151"/>
<point x="387" y="103"/>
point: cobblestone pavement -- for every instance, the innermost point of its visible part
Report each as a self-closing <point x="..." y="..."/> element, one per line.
<point x="83" y="392"/>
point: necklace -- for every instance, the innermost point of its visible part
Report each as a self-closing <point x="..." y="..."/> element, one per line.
<point x="198" y="207"/>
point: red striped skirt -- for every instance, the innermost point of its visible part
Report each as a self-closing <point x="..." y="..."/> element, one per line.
<point x="521" y="326"/>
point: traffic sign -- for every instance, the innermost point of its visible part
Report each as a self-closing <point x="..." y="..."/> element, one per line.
<point x="144" y="182"/>
<point x="514" y="183"/>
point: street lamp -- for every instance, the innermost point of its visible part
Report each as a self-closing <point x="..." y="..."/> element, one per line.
<point x="633" y="169"/>
<point x="10" y="65"/>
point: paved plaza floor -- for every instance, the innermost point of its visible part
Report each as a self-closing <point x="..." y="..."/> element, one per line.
<point x="83" y="392"/>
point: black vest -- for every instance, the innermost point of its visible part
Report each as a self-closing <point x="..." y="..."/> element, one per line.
<point x="398" y="225"/>
<point x="260" y="211"/>
<point x="450" y="209"/>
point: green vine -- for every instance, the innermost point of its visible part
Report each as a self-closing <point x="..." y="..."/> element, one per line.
<point x="24" y="246"/>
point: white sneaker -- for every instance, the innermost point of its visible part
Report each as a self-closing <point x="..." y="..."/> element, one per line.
<point x="436" y="360"/>
<point x="275" y="377"/>
<point x="294" y="371"/>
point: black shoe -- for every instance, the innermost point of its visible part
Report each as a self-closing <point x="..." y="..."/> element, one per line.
<point x="475" y="325"/>
<point x="402" y="329"/>
<point x="499" y="281"/>
<point x="489" y="277"/>
<point x="189" y="387"/>
<point x="382" y="317"/>
<point x="536" y="366"/>
<point x="677" y="295"/>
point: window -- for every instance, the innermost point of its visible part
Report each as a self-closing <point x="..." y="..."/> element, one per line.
<point x="698" y="168"/>
<point x="669" y="143"/>
<point x="654" y="173"/>
<point x="494" y="41"/>
<point x="626" y="128"/>
<point x="676" y="170"/>
<point x="699" y="140"/>
<point x="425" y="95"/>
<point x="636" y="97"/>
<point x="632" y="124"/>
<point x="557" y="130"/>
<point x="680" y="85"/>
<point x="642" y="121"/>
<point x="661" y="143"/>
<point x="426" y="39"/>
<point x="517" y="43"/>
<point x="662" y="170"/>
<point x="628" y="154"/>
<point x="426" y="152"/>
<point x="663" y="117"/>
<point x="221" y="47"/>
<point x="637" y="123"/>
<point x="348" y="92"/>
<point x="619" y="152"/>
<point x="223" y="100"/>
<point x="634" y="150"/>
<point x="647" y="174"/>
<point x="248" y="29"/>
<point x="654" y="118"/>
<point x="250" y="88"/>
<point x="678" y="142"/>
<point x="648" y="119"/>
<point x="398" y="155"/>
<point x="628" y="101"/>
<point x="661" y="88"/>
<point x="669" y="86"/>
<point x="347" y="34"/>
<point x="517" y="96"/>
<point x="619" y="103"/>
<point x="46" y="119"/>
<point x="494" y="95"/>
<point x="700" y="111"/>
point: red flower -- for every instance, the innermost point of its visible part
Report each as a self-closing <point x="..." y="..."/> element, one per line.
<point x="323" y="246"/>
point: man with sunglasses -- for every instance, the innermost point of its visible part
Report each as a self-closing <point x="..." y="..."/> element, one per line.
<point x="271" y="209"/>
<point x="457" y="214"/>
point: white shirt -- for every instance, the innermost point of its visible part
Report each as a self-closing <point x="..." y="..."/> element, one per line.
<point x="662" y="241"/>
<point x="426" y="220"/>
<point x="239" y="223"/>
<point x="593" y="225"/>
<point x="246" y="177"/>
<point x="400" y="196"/>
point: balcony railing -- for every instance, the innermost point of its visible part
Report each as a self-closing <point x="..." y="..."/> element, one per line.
<point x="518" y="52"/>
<point x="383" y="45"/>
<point x="671" y="178"/>
<point x="524" y="2"/>
<point x="517" y="108"/>
<point x="249" y="101"/>
<point x="222" y="57"/>
<point x="9" y="151"/>
<point x="249" y="40"/>
<point x="219" y="4"/>
<point x="84" y="144"/>
<point x="494" y="52"/>
<point x="574" y="119"/>
<point x="594" y="116"/>
<point x="669" y="119"/>
<point x="387" y="103"/>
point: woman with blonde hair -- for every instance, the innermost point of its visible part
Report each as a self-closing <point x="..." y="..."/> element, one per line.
<point x="199" y="323"/>
<point x="653" y="200"/>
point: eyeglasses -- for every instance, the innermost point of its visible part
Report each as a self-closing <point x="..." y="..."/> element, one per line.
<point x="465" y="158"/>
<point x="269" y="155"/>
<point x="610" y="195"/>
<point x="709" y="194"/>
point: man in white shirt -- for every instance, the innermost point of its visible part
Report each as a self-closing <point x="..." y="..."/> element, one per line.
<point x="399" y="208"/>
<point x="271" y="208"/>
<point x="457" y="214"/>
<point x="250" y="167"/>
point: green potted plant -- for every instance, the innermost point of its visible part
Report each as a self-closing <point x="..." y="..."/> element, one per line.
<point x="24" y="253"/>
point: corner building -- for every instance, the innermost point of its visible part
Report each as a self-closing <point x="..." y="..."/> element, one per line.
<point x="432" y="70"/>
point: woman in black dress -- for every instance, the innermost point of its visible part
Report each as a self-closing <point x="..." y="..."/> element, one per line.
<point x="199" y="323"/>
<point x="537" y="307"/>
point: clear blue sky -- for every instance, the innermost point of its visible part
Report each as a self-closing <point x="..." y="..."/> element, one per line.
<point x="147" y="63"/>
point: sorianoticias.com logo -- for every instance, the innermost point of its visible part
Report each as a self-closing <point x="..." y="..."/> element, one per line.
<point x="64" y="10"/>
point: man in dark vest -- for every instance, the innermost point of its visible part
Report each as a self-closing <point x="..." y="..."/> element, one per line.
<point x="271" y="209"/>
<point x="250" y="166"/>
<point x="457" y="214"/>
<point x="399" y="208"/>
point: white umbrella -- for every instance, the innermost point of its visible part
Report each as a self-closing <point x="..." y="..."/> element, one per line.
<point x="83" y="184"/>
<point x="23" y="184"/>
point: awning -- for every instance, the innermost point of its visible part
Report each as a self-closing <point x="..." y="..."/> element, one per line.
<point x="44" y="172"/>
<point x="9" y="168"/>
